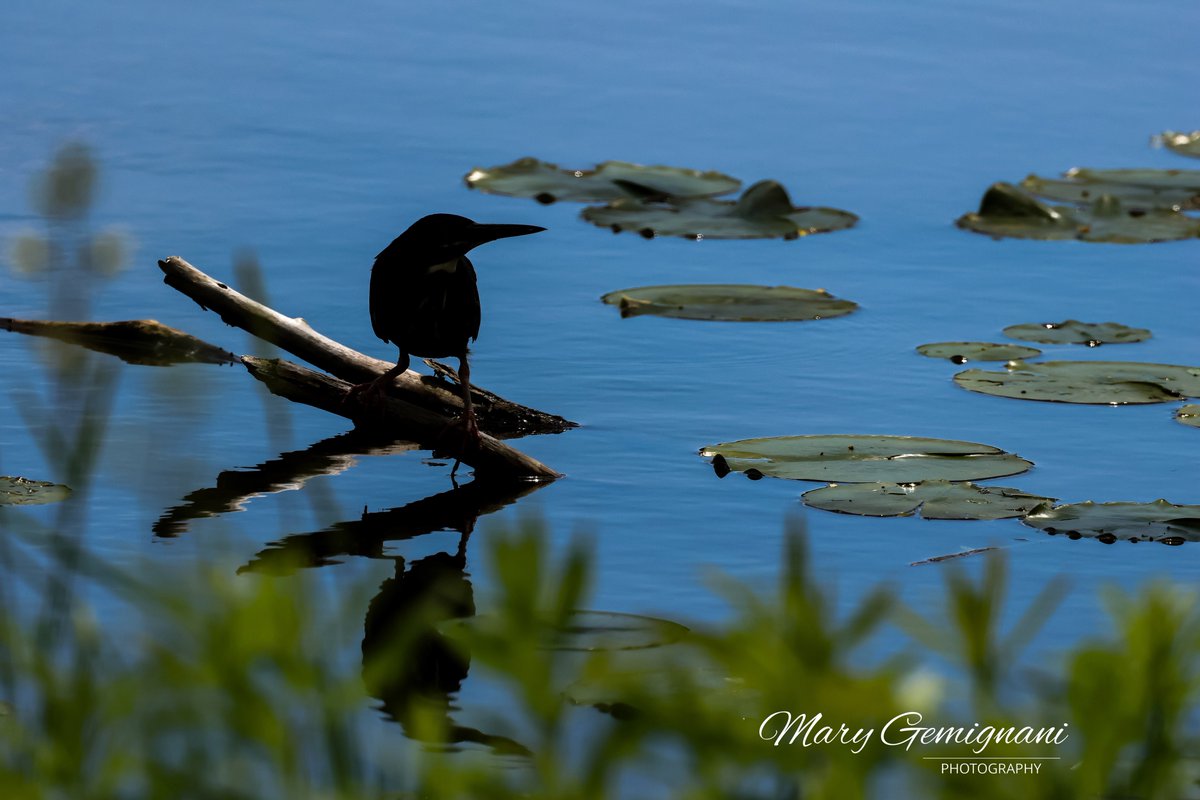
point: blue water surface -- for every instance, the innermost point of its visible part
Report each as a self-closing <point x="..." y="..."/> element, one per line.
<point x="311" y="134"/>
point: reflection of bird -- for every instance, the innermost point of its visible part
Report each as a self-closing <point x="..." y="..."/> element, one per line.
<point x="424" y="298"/>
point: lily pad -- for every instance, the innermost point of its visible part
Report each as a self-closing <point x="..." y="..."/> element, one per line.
<point x="1072" y="331"/>
<point x="962" y="352"/>
<point x="590" y="631"/>
<point x="1188" y="179"/>
<point x="1008" y="211"/>
<point x="1188" y="415"/>
<point x="764" y="211"/>
<point x="934" y="499"/>
<point x="1186" y="144"/>
<point x="1159" y="521"/>
<point x="1090" y="382"/>
<point x="612" y="180"/>
<point x="1132" y="195"/>
<point x="17" y="491"/>
<point x="847" y="458"/>
<point x="730" y="302"/>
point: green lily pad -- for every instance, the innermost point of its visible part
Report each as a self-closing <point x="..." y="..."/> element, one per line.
<point x="1008" y="211"/>
<point x="612" y="180"/>
<point x="1188" y="415"/>
<point x="1159" y="521"/>
<point x="1187" y="179"/>
<point x="764" y="211"/>
<point x="589" y="631"/>
<point x="1072" y="331"/>
<point x="962" y="352"/>
<point x="1186" y="144"/>
<point x="1090" y="382"/>
<point x="730" y="302"/>
<point x="1131" y="195"/>
<point x="17" y="491"/>
<point x="847" y="458"/>
<point x="935" y="499"/>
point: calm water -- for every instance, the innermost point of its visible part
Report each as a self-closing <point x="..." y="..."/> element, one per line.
<point x="312" y="136"/>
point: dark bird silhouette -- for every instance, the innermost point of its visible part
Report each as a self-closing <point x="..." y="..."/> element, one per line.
<point x="424" y="298"/>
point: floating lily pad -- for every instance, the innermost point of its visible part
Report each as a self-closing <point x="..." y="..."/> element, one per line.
<point x="1159" y="521"/>
<point x="846" y="458"/>
<point x="1189" y="415"/>
<point x="1072" y="331"/>
<point x="1008" y="211"/>
<point x="17" y="491"/>
<point x="1188" y="179"/>
<point x="612" y="180"/>
<point x="1091" y="382"/>
<point x="1132" y="195"/>
<point x="962" y="352"/>
<point x="935" y="499"/>
<point x="764" y="211"/>
<point x="591" y="631"/>
<point x="1186" y="144"/>
<point x="137" y="341"/>
<point x="729" y="302"/>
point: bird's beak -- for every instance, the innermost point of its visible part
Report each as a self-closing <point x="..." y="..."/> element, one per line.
<point x="481" y="233"/>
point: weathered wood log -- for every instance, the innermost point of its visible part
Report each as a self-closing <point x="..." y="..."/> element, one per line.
<point x="496" y="415"/>
<point x="395" y="416"/>
<point x="136" y="341"/>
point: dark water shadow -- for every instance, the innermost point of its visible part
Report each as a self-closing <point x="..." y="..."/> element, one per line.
<point x="409" y="666"/>
<point x="290" y="471"/>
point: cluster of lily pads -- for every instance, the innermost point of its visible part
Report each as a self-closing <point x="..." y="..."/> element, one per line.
<point x="1088" y="382"/>
<point x="1126" y="206"/>
<point x="673" y="201"/>
<point x="895" y="476"/>
<point x="663" y="201"/>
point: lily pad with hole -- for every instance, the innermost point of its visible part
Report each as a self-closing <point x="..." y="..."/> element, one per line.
<point x="1072" y="331"/>
<point x="1088" y="382"/>
<point x="588" y="631"/>
<point x="1131" y="195"/>
<point x="730" y="302"/>
<point x="18" y="491"/>
<point x="1186" y="144"/>
<point x="1188" y="415"/>
<point x="934" y="499"/>
<point x="1158" y="521"/>
<point x="962" y="352"/>
<point x="764" y="211"/>
<point x="848" y="458"/>
<point x="612" y="180"/>
<point x="1009" y="211"/>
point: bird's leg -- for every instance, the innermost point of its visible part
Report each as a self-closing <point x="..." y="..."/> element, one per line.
<point x="470" y="428"/>
<point x="375" y="387"/>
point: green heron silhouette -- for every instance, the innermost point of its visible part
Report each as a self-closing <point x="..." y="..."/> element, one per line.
<point x="424" y="298"/>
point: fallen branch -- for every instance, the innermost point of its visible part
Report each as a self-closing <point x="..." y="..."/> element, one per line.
<point x="496" y="415"/>
<point x="136" y="341"/>
<point x="395" y="416"/>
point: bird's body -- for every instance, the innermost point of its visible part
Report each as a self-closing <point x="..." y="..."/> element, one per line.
<point x="424" y="298"/>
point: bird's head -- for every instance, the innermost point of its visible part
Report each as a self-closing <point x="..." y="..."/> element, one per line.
<point x="451" y="236"/>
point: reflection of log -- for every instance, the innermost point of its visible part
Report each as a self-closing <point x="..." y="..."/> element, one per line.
<point x="289" y="472"/>
<point x="137" y="341"/>
<point x="395" y="417"/>
<point x="496" y="415"/>
<point x="456" y="510"/>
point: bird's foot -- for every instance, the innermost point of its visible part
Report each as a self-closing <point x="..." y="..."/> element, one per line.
<point x="471" y="439"/>
<point x="368" y="394"/>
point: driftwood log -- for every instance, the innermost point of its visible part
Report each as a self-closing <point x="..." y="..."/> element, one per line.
<point x="416" y="407"/>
